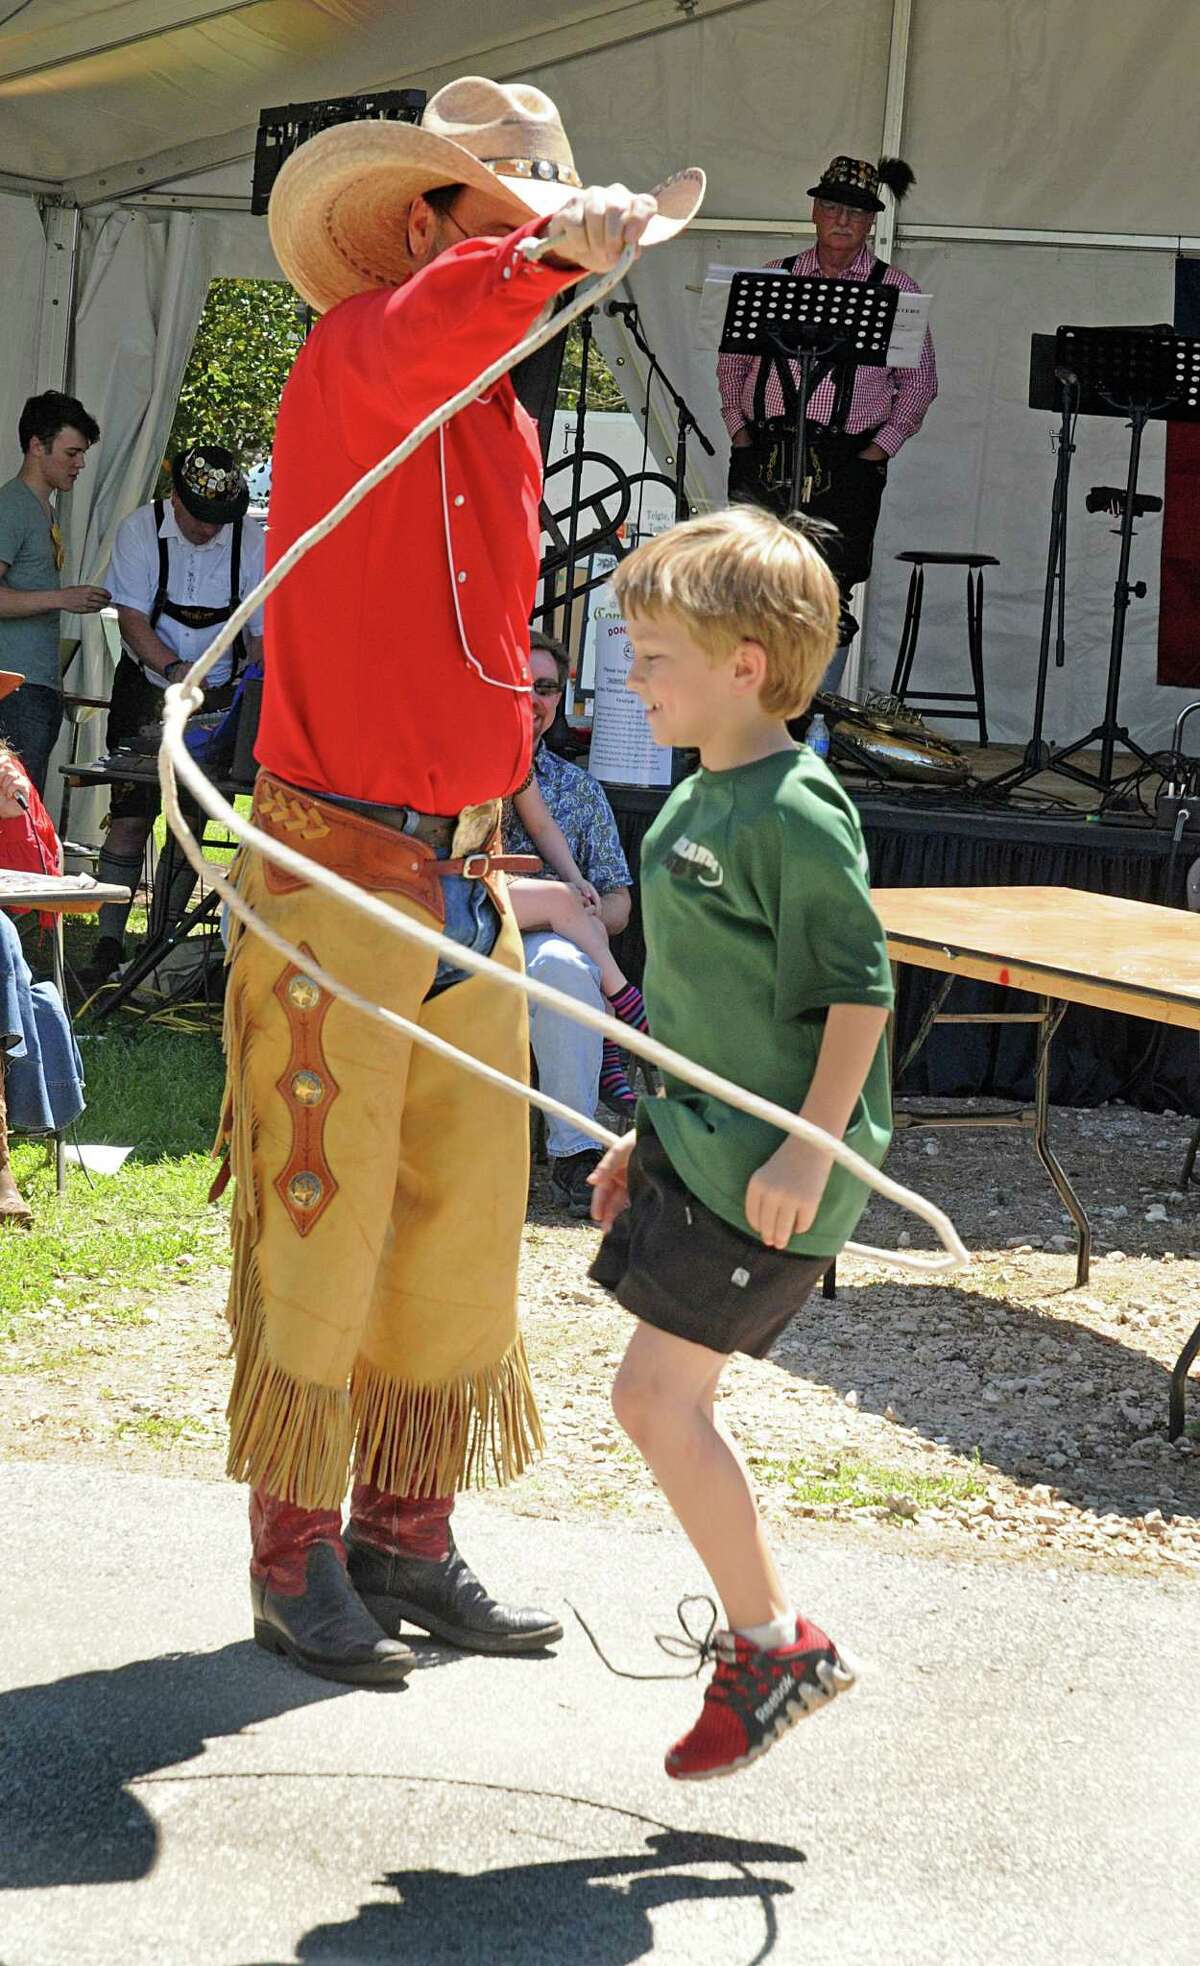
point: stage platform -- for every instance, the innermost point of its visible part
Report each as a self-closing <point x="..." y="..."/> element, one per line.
<point x="921" y="837"/>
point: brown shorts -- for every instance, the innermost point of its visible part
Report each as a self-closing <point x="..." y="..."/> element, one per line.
<point x="679" y="1267"/>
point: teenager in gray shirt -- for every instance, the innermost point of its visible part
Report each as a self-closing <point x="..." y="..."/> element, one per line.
<point x="55" y="432"/>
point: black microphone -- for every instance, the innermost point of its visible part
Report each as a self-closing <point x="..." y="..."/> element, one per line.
<point x="626" y="307"/>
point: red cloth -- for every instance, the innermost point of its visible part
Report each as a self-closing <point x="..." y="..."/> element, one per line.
<point x="369" y="691"/>
<point x="28" y="842"/>
<point x="1179" y="589"/>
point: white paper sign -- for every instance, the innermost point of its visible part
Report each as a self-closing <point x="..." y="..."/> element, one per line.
<point x="908" y="328"/>
<point x="623" y="751"/>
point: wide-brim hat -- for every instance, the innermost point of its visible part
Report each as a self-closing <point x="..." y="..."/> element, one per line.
<point x="339" y="207"/>
<point x="210" y="484"/>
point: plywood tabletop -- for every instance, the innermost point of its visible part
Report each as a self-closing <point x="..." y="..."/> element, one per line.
<point x="1060" y="942"/>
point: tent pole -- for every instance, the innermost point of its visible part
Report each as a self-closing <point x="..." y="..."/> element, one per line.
<point x="891" y="141"/>
<point x="892" y="137"/>
<point x="55" y="319"/>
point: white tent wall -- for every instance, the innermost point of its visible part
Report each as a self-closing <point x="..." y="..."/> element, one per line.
<point x="22" y="256"/>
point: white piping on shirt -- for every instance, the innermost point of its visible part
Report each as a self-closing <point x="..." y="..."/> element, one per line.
<point x="521" y="689"/>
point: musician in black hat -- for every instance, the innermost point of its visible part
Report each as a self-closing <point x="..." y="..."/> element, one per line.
<point x="857" y="418"/>
<point x="179" y="567"/>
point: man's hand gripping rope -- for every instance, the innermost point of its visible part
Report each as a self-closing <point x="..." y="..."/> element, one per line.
<point x="175" y="762"/>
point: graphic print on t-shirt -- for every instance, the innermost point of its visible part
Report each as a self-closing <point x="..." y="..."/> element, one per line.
<point x="694" y="863"/>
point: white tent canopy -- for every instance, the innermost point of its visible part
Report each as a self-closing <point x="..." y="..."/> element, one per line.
<point x="1051" y="188"/>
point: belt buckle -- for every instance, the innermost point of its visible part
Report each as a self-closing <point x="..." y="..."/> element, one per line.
<point x="476" y="866"/>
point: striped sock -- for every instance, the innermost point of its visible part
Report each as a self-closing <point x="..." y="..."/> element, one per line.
<point x="630" y="1006"/>
<point x="614" y="1085"/>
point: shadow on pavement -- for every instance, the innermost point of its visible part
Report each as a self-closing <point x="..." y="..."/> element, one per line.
<point x="70" y="1747"/>
<point x="588" y="1908"/>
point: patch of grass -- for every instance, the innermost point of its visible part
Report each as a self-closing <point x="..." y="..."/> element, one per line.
<point x="160" y="1429"/>
<point x="858" y="1483"/>
<point x="113" y="1235"/>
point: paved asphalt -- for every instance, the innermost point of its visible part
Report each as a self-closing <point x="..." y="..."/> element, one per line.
<point x="1016" y="1778"/>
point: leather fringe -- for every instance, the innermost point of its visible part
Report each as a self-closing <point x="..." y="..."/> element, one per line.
<point x="298" y="1441"/>
<point x="434" y="1440"/>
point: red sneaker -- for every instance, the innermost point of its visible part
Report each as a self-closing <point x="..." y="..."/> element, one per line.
<point x="754" y="1697"/>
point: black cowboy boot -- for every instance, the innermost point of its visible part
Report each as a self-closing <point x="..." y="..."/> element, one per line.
<point x="434" y="1589"/>
<point x="304" y="1605"/>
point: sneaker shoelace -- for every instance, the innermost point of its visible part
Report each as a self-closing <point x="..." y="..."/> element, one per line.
<point x="710" y="1644"/>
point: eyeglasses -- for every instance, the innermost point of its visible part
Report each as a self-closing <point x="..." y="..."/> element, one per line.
<point x="544" y="687"/>
<point x="841" y="211"/>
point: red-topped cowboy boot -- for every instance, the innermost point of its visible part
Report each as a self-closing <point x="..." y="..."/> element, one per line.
<point x="305" y="1607"/>
<point x="406" y="1569"/>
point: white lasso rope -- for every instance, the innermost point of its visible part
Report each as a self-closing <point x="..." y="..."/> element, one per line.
<point x="175" y="761"/>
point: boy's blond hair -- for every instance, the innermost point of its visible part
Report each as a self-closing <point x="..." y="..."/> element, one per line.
<point x="741" y="575"/>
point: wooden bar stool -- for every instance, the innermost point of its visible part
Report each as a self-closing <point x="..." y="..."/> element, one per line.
<point x="944" y="703"/>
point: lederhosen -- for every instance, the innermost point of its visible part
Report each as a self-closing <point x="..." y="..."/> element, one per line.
<point x="137" y="702"/>
<point x="840" y="487"/>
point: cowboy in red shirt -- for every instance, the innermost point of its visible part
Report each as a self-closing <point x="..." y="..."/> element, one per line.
<point x="380" y="1189"/>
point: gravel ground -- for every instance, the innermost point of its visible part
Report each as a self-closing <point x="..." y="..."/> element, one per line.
<point x="1000" y="1408"/>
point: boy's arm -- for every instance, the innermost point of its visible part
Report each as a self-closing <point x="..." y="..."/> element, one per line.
<point x="782" y="1198"/>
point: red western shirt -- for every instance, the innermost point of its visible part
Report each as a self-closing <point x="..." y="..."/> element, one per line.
<point x="397" y="651"/>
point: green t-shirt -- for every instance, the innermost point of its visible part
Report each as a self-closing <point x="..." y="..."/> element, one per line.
<point x="757" y="917"/>
<point x="28" y="646"/>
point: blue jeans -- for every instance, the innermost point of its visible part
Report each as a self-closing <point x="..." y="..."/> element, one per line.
<point x="567" y="1054"/>
<point x="471" y="919"/>
<point x="31" y="719"/>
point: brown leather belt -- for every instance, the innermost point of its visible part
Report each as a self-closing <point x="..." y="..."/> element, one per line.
<point x="378" y="856"/>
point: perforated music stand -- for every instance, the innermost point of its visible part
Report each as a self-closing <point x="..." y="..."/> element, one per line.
<point x="795" y="318"/>
<point x="1144" y="374"/>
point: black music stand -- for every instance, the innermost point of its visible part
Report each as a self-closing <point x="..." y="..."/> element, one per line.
<point x="1142" y="374"/>
<point x="810" y="321"/>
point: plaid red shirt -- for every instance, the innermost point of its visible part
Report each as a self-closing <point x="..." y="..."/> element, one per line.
<point x="894" y="399"/>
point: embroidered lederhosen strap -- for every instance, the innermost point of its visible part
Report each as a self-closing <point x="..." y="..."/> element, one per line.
<point x="198" y="617"/>
<point x="847" y="372"/>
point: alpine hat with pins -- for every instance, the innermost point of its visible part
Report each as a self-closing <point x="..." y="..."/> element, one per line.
<point x="210" y="484"/>
<point x="339" y="207"/>
<point x="855" y="181"/>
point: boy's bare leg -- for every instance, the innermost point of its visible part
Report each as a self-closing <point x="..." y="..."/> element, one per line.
<point x="663" y="1397"/>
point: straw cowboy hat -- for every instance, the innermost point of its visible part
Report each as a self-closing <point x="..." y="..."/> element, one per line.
<point x="339" y="206"/>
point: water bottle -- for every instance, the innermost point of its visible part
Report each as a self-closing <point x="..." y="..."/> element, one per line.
<point x="817" y="738"/>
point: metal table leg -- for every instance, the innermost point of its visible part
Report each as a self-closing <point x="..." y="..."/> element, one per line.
<point x="1051" y="1017"/>
<point x="1179" y="1373"/>
<point x="58" y="971"/>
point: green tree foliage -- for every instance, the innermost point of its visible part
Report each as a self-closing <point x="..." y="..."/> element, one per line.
<point x="249" y="335"/>
<point x="603" y="390"/>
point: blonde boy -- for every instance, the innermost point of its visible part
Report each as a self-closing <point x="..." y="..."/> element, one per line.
<point x="765" y="962"/>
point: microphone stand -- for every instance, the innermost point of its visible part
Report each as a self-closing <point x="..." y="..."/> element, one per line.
<point x="684" y="420"/>
<point x="1037" y="751"/>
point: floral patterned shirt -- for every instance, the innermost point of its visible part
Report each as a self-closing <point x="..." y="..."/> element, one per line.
<point x="578" y="803"/>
